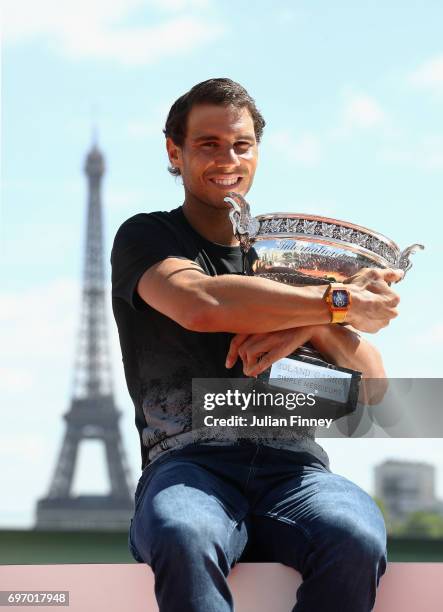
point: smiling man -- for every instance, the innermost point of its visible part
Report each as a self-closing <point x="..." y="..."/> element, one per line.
<point x="184" y="310"/>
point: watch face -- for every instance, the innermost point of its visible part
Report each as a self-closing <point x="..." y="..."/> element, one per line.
<point x="340" y="298"/>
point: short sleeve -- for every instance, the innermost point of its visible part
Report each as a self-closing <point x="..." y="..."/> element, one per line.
<point x="140" y="242"/>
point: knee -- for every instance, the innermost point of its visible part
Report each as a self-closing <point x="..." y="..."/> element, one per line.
<point x="183" y="535"/>
<point x="357" y="528"/>
<point x="368" y="545"/>
<point x="360" y="543"/>
<point x="182" y="540"/>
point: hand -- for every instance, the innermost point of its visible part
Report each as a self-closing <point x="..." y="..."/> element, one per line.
<point x="374" y="303"/>
<point x="260" y="351"/>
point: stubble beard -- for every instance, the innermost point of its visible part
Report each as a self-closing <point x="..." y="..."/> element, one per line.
<point x="206" y="201"/>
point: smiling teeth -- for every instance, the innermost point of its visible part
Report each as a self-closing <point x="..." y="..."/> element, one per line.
<point x="226" y="182"/>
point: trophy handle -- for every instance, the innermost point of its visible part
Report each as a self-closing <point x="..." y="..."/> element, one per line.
<point x="234" y="214"/>
<point x="244" y="225"/>
<point x="403" y="259"/>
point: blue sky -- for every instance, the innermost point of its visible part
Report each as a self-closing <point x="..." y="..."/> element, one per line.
<point x="352" y="94"/>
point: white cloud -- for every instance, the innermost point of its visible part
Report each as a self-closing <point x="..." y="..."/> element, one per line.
<point x="180" y="5"/>
<point x="359" y="112"/>
<point x="363" y="111"/>
<point x="57" y="19"/>
<point x="304" y="150"/>
<point x="424" y="155"/>
<point x="98" y="29"/>
<point x="138" y="46"/>
<point x="429" y="75"/>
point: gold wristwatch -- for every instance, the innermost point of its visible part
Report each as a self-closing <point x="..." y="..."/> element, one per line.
<point x="338" y="299"/>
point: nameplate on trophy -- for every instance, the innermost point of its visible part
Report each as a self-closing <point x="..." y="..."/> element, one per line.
<point x="304" y="377"/>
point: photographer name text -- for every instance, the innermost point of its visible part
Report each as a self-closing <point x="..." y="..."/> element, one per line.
<point x="293" y="420"/>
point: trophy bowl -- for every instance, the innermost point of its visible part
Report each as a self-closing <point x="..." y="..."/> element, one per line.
<point x="310" y="249"/>
<point x="302" y="249"/>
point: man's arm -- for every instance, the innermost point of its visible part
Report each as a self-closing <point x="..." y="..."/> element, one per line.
<point x="245" y="304"/>
<point x="347" y="349"/>
<point x="338" y="344"/>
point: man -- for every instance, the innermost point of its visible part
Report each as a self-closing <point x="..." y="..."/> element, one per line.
<point x="184" y="310"/>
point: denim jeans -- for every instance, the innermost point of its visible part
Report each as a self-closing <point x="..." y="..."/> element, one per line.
<point x="201" y="509"/>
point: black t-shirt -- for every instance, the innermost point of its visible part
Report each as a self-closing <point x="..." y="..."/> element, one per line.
<point x="161" y="357"/>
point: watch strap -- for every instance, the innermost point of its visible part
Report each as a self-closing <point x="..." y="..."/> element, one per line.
<point x="339" y="316"/>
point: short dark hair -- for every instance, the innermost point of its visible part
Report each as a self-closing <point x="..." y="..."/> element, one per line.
<point x="213" y="91"/>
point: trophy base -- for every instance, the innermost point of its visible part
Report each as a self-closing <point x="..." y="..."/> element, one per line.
<point x="335" y="388"/>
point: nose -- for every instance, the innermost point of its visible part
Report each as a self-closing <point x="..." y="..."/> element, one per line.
<point x="227" y="157"/>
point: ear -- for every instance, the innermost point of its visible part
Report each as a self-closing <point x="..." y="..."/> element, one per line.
<point x="174" y="153"/>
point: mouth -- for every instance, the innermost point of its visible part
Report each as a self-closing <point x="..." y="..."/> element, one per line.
<point x="226" y="183"/>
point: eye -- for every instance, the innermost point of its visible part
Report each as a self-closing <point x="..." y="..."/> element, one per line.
<point x="209" y="145"/>
<point x="243" y="146"/>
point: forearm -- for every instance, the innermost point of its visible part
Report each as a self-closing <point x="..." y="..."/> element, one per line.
<point x="246" y="304"/>
<point x="182" y="291"/>
<point x="348" y="349"/>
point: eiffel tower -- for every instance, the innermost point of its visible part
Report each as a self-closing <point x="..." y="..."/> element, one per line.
<point x="92" y="414"/>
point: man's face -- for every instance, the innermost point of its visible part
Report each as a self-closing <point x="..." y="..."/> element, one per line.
<point x="219" y="154"/>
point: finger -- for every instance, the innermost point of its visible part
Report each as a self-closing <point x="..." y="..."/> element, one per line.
<point x="299" y="336"/>
<point x="265" y="362"/>
<point x="232" y="355"/>
<point x="361" y="275"/>
<point x="281" y="343"/>
<point x="389" y="275"/>
<point x="388" y="298"/>
<point x="393" y="313"/>
<point x="250" y="356"/>
<point x="287" y="340"/>
<point x="250" y="365"/>
<point x="392" y="276"/>
<point x="378" y="286"/>
<point x="258" y="345"/>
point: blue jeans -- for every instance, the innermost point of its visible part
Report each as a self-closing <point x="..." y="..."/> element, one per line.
<point x="201" y="509"/>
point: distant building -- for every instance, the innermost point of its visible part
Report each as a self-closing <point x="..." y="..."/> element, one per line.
<point x="405" y="487"/>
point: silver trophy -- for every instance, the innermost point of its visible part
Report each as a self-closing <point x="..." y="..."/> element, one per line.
<point x="301" y="249"/>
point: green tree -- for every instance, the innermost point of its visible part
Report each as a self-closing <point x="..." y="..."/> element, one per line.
<point x="391" y="527"/>
<point x="382" y="507"/>
<point x="422" y="524"/>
